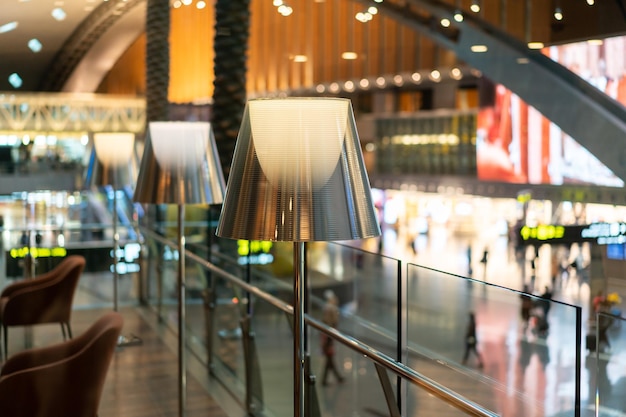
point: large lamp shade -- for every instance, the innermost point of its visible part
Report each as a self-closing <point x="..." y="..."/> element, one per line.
<point x="180" y="165"/>
<point x="298" y="175"/>
<point x="113" y="160"/>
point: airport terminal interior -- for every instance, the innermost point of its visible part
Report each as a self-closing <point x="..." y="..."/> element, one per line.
<point x="488" y="134"/>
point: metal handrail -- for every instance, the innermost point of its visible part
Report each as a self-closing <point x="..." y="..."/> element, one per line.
<point x="436" y="389"/>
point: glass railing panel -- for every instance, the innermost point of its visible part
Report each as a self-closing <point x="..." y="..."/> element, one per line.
<point x="357" y="393"/>
<point x="522" y="368"/>
<point x="366" y="285"/>
<point x="606" y="364"/>
<point x="270" y="360"/>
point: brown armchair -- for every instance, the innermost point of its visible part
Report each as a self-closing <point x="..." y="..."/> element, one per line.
<point x="65" y="379"/>
<point x="46" y="298"/>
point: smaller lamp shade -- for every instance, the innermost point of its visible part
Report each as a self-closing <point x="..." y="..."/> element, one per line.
<point x="113" y="160"/>
<point x="180" y="165"/>
<point x="298" y="174"/>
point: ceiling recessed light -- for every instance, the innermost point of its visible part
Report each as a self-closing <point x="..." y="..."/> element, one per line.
<point x="478" y="48"/>
<point x="7" y="27"/>
<point x="349" y="55"/>
<point x="201" y="5"/>
<point x="59" y="14"/>
<point x="34" y="45"/>
<point x="595" y="42"/>
<point x="299" y="58"/>
<point x="535" y="45"/>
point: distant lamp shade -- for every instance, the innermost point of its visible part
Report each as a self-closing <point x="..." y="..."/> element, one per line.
<point x="298" y="174"/>
<point x="180" y="165"/>
<point x="113" y="160"/>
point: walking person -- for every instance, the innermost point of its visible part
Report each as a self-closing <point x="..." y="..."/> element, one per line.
<point x="526" y="306"/>
<point x="330" y="316"/>
<point x="471" y="341"/>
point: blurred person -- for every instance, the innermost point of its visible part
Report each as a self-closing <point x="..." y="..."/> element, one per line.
<point x="526" y="306"/>
<point x="330" y="316"/>
<point x="471" y="341"/>
<point x="547" y="301"/>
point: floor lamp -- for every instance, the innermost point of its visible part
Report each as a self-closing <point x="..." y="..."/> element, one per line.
<point x="298" y="175"/>
<point x="180" y="165"/>
<point x="113" y="163"/>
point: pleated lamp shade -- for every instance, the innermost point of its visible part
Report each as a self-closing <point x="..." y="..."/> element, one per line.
<point x="180" y="165"/>
<point x="298" y="174"/>
<point x="112" y="161"/>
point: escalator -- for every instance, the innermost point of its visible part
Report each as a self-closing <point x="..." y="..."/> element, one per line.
<point x="595" y="120"/>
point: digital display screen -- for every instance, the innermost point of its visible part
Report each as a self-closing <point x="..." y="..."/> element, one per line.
<point x="515" y="143"/>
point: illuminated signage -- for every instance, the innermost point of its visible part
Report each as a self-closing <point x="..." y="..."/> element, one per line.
<point x="18" y="253"/>
<point x="600" y="233"/>
<point x="542" y="232"/>
<point x="254" y="252"/>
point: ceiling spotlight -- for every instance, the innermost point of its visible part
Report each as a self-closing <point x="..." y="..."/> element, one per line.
<point x="364" y="83"/>
<point x="34" y="45"/>
<point x="435" y="76"/>
<point x="445" y="22"/>
<point x="416" y="77"/>
<point x="398" y="80"/>
<point x="380" y="81"/>
<point x="558" y="14"/>
<point x="458" y="16"/>
<point x="285" y="10"/>
<point x="478" y="48"/>
<point x="349" y="86"/>
<point x="59" y="14"/>
<point x="349" y="55"/>
<point x="456" y="74"/>
<point x="201" y="4"/>
<point x="320" y="88"/>
<point x="591" y="2"/>
<point x="7" y="27"/>
<point x="15" y="80"/>
<point x="299" y="58"/>
<point x="475" y="7"/>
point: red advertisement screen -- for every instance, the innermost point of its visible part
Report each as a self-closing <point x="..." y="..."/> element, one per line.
<point x="515" y="143"/>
